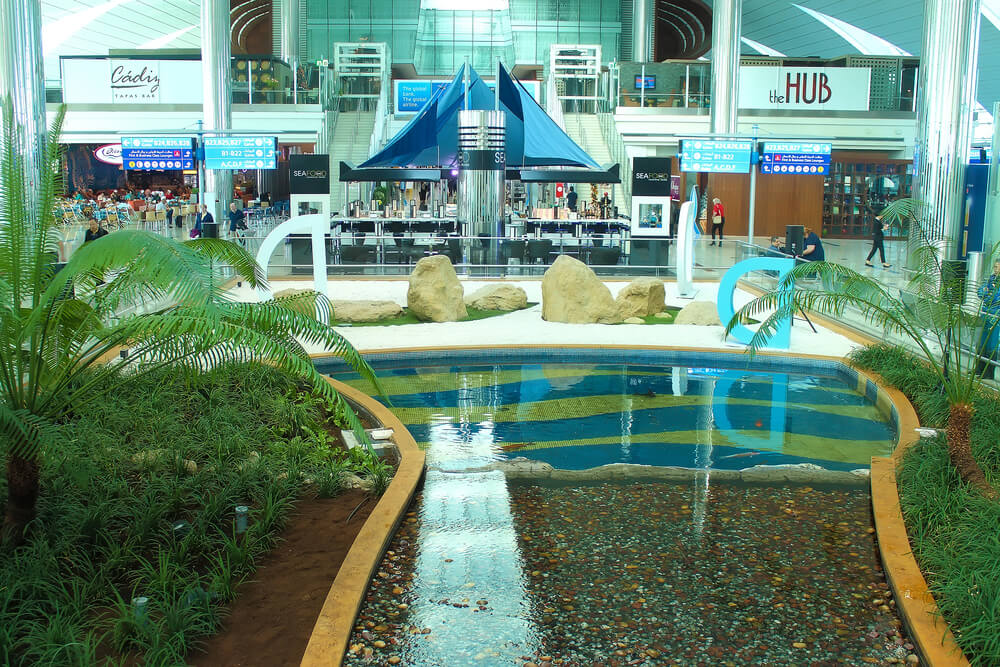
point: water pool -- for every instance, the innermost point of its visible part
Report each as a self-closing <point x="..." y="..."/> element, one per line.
<point x="484" y="571"/>
<point x="711" y="412"/>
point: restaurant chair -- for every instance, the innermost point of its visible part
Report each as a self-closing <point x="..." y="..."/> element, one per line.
<point x="513" y="249"/>
<point x="605" y="256"/>
<point x="539" y="249"/>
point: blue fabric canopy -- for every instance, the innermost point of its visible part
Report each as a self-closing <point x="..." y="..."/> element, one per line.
<point x="431" y="138"/>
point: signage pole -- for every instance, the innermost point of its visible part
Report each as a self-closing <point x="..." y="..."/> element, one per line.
<point x="201" y="164"/>
<point x="753" y="187"/>
<point x="642" y="86"/>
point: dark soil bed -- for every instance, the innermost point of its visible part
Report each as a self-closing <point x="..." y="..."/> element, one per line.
<point x="273" y="617"/>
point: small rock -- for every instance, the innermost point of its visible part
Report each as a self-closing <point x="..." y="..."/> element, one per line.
<point x="662" y="315"/>
<point x="190" y="467"/>
<point x="798" y="645"/>
<point x="911" y="659"/>
<point x="498" y="297"/>
<point x="634" y="320"/>
<point x="394" y="660"/>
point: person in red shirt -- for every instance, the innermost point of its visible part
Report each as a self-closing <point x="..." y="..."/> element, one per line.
<point x="718" y="220"/>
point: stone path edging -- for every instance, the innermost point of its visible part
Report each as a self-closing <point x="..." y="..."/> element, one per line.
<point x="332" y="631"/>
<point x="926" y="627"/>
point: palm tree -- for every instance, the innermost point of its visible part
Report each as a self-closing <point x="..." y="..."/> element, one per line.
<point x="61" y="330"/>
<point x="929" y="313"/>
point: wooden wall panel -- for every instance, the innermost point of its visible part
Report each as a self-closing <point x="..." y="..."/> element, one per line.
<point x="788" y="200"/>
<point x="781" y="200"/>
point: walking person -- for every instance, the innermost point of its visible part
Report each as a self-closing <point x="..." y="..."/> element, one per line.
<point x="571" y="199"/>
<point x="878" y="239"/>
<point x="235" y="219"/>
<point x="718" y="220"/>
<point x="201" y="219"/>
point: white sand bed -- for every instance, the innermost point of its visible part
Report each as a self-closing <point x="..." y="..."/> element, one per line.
<point x="526" y="327"/>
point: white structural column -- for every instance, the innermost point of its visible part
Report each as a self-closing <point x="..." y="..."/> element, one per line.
<point x="217" y="106"/>
<point x="947" y="94"/>
<point x="22" y="81"/>
<point x="289" y="31"/>
<point x="727" y="18"/>
<point x="642" y="30"/>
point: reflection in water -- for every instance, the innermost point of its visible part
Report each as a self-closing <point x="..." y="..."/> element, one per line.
<point x="702" y="461"/>
<point x="467" y="548"/>
<point x="733" y="385"/>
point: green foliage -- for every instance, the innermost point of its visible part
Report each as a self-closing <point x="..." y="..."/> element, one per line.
<point x="58" y="328"/>
<point x="923" y="314"/>
<point x="952" y="527"/>
<point x="119" y="483"/>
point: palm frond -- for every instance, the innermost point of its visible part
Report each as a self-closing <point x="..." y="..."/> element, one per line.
<point x="26" y="432"/>
<point x="232" y="254"/>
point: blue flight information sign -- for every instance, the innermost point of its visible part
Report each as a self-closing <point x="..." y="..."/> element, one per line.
<point x="720" y="157"/>
<point x="246" y="152"/>
<point x="796" y="157"/>
<point x="157" y="153"/>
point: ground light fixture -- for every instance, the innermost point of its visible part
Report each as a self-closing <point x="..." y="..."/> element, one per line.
<point x="180" y="529"/>
<point x="241" y="519"/>
<point x="140" y="608"/>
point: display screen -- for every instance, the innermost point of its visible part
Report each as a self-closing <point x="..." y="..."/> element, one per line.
<point x="157" y="153"/>
<point x="647" y="82"/>
<point x="725" y="157"/>
<point x="241" y="152"/>
<point x="796" y="157"/>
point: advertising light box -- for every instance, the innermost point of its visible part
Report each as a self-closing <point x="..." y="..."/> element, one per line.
<point x="245" y="152"/>
<point x="157" y="153"/>
<point x="796" y="157"/>
<point x="719" y="157"/>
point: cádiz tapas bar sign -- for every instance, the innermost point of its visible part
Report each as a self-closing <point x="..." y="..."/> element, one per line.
<point x="103" y="80"/>
<point x="821" y="88"/>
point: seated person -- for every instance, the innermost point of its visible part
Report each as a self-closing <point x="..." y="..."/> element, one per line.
<point x="94" y="232"/>
<point x="777" y="248"/>
<point x="812" y="247"/>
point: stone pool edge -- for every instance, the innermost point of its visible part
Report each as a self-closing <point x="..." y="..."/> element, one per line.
<point x="935" y="642"/>
<point x="331" y="633"/>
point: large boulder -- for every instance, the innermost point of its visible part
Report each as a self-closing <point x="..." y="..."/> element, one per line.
<point x="641" y="297"/>
<point x="704" y="313"/>
<point x="572" y="292"/>
<point x="435" y="295"/>
<point x="497" y="297"/>
<point x="366" y="311"/>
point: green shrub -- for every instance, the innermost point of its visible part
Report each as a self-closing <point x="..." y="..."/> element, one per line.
<point x="953" y="529"/>
<point x="124" y="475"/>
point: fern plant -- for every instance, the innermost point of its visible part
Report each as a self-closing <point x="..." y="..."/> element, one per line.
<point x="929" y="313"/>
<point x="61" y="331"/>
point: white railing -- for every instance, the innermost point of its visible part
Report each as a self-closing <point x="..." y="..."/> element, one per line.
<point x="553" y="105"/>
<point x="616" y="147"/>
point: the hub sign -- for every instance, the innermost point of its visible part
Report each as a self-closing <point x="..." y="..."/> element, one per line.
<point x="820" y="88"/>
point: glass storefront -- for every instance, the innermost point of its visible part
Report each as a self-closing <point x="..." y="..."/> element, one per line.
<point x="854" y="192"/>
<point x="438" y="41"/>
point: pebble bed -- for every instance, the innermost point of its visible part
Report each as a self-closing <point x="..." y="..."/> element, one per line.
<point x="663" y="574"/>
